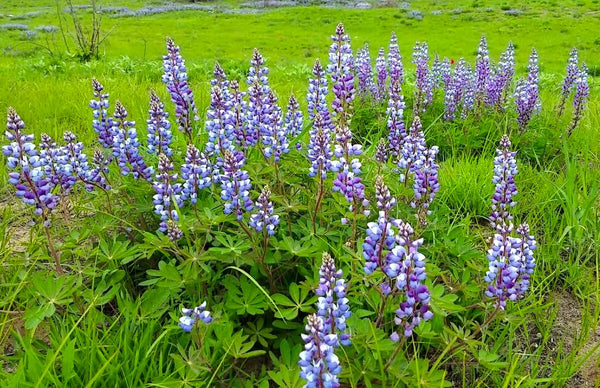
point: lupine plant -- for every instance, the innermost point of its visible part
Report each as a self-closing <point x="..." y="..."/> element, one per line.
<point x="207" y="196"/>
<point x="511" y="260"/>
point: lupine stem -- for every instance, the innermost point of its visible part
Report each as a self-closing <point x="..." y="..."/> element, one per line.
<point x="395" y="354"/>
<point x="318" y="204"/>
<point x="53" y="250"/>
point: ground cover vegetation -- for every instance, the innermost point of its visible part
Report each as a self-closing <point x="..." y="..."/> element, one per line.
<point x="366" y="216"/>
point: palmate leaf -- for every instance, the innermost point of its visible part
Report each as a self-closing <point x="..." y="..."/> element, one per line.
<point x="245" y="298"/>
<point x="167" y="276"/>
<point x="296" y="302"/>
<point x="240" y="346"/>
<point x="297" y="248"/>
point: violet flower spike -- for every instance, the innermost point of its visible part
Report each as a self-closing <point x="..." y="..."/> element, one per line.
<point x="381" y="68"/>
<point x="482" y="72"/>
<point x="364" y="71"/>
<point x="319" y="365"/>
<point x="501" y="80"/>
<point x="235" y="185"/>
<point x="159" y="127"/>
<point x="569" y="81"/>
<point x="264" y="219"/>
<point x="168" y="193"/>
<point x="27" y="168"/>
<point x="526" y="93"/>
<point x="412" y="155"/>
<point x="76" y="159"/>
<point x="240" y="106"/>
<point x="196" y="173"/>
<point x="582" y="95"/>
<point x="396" y="71"/>
<point x="454" y="90"/>
<point x="341" y="64"/>
<point x="423" y="78"/>
<point x="319" y="149"/>
<point x="55" y="165"/>
<point x="426" y="184"/>
<point x="126" y="146"/>
<point x="332" y="304"/>
<point x="176" y="79"/>
<point x="317" y="95"/>
<point x="102" y="122"/>
<point x="380" y="235"/>
<point x="395" y="121"/>
<point x="381" y="153"/>
<point x="219" y="124"/>
<point x="220" y="79"/>
<point x="97" y="176"/>
<point x="410" y="278"/>
<point x="505" y="170"/>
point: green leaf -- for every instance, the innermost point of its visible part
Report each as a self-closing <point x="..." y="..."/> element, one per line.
<point x="33" y="317"/>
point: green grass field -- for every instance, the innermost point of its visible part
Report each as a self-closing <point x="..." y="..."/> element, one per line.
<point x="111" y="320"/>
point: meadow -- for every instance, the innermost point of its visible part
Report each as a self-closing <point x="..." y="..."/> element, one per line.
<point x="94" y="285"/>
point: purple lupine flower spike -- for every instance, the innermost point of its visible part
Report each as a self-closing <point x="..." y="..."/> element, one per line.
<point x="348" y="181"/>
<point x="569" y="82"/>
<point x="426" y="184"/>
<point x="168" y="193"/>
<point x="482" y="72"/>
<point x="395" y="121"/>
<point x="126" y="146"/>
<point x="319" y="149"/>
<point x="395" y="66"/>
<point x="364" y="71"/>
<point x="235" y="184"/>
<point x="511" y="261"/>
<point x="424" y="80"/>
<point x="159" y="128"/>
<point x="259" y="106"/>
<point x="240" y="105"/>
<point x="274" y="137"/>
<point x="176" y="79"/>
<point x="196" y="173"/>
<point x="220" y="78"/>
<point x="27" y="168"/>
<point x="219" y="124"/>
<point x="191" y="316"/>
<point x="505" y="169"/>
<point x="97" y="176"/>
<point x="381" y="153"/>
<point x="501" y="80"/>
<point x="264" y="219"/>
<point x="294" y="120"/>
<point x="527" y="93"/>
<point x="319" y="365"/>
<point x="469" y="91"/>
<point x="75" y="159"/>
<point x="412" y="154"/>
<point x="102" y="121"/>
<point x="317" y="95"/>
<point x="380" y="234"/>
<point x="582" y="94"/>
<point x="382" y="75"/>
<point x="341" y="64"/>
<point x="410" y="278"/>
<point x="446" y="70"/>
<point x="455" y="90"/>
<point x="332" y="304"/>
<point x="436" y="72"/>
<point x="55" y="165"/>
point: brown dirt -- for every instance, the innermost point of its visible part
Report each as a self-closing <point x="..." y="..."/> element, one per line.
<point x="20" y="227"/>
<point x="567" y="329"/>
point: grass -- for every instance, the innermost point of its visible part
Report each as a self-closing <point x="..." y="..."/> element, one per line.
<point x="111" y="320"/>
